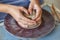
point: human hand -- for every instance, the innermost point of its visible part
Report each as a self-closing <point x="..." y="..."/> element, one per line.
<point x="15" y="12"/>
<point x="34" y="5"/>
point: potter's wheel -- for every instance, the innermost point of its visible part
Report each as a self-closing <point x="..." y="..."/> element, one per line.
<point x="46" y="27"/>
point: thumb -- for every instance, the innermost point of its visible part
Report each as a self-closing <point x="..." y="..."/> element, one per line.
<point x="30" y="9"/>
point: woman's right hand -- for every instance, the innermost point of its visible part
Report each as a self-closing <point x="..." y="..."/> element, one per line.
<point x="15" y="12"/>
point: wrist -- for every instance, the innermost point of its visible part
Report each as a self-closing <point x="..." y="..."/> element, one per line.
<point x="3" y="8"/>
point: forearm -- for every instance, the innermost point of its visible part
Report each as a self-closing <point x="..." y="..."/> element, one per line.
<point x="35" y="1"/>
<point x="3" y="8"/>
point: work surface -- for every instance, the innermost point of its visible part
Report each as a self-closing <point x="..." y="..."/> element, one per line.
<point x="54" y="35"/>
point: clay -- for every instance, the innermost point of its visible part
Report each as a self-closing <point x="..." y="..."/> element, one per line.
<point x="47" y="25"/>
<point x="31" y="17"/>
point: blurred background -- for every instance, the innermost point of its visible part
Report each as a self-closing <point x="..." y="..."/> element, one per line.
<point x="55" y="2"/>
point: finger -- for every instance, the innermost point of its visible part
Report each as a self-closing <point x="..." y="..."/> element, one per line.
<point x="30" y="9"/>
<point x="39" y="18"/>
<point x="24" y="10"/>
<point x="26" y="26"/>
<point x="38" y="13"/>
<point x="28" y="20"/>
<point x="25" y="22"/>
<point x="39" y="21"/>
<point x="22" y="25"/>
